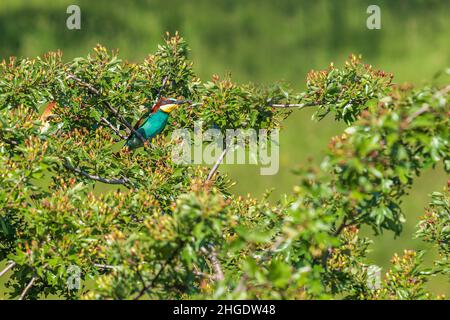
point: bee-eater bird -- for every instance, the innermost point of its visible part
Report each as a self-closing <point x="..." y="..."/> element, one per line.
<point x="150" y="126"/>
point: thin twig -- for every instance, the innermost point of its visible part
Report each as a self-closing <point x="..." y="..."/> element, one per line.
<point x="123" y="180"/>
<point x="216" y="266"/>
<point x="197" y="104"/>
<point x="141" y="278"/>
<point x="215" y="263"/>
<point x="105" y="266"/>
<point x="273" y="105"/>
<point x="158" y="95"/>
<point x="151" y="284"/>
<point x="217" y="164"/>
<point x="108" y="105"/>
<point x="113" y="128"/>
<point x="218" y="274"/>
<point x="422" y="110"/>
<point x="87" y="85"/>
<point x="7" y="268"/>
<point x="345" y="223"/>
<point x="241" y="285"/>
<point x="27" y="288"/>
<point x="292" y="105"/>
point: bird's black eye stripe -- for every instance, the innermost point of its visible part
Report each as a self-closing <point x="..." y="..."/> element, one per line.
<point x="168" y="101"/>
<point x="172" y="100"/>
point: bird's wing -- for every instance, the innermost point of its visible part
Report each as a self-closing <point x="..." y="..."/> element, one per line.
<point x="144" y="117"/>
<point x="141" y="120"/>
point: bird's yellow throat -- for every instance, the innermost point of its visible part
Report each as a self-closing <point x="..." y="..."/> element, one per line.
<point x="168" y="107"/>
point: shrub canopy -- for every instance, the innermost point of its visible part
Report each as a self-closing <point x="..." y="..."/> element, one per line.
<point x="163" y="230"/>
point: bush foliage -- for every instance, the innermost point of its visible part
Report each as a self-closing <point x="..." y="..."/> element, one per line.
<point x="163" y="230"/>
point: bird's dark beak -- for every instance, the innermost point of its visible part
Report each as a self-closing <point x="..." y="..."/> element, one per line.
<point x="182" y="101"/>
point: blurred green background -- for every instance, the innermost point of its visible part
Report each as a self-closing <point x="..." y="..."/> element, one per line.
<point x="259" y="41"/>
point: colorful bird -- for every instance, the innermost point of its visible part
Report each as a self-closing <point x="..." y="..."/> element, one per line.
<point x="155" y="123"/>
<point x="149" y="125"/>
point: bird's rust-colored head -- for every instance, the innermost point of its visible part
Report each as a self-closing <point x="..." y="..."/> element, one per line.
<point x="167" y="104"/>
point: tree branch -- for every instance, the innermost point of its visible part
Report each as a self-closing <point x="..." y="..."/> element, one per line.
<point x="27" y="288"/>
<point x="292" y="105"/>
<point x="158" y="95"/>
<point x="217" y="164"/>
<point x="123" y="180"/>
<point x="151" y="284"/>
<point x="197" y="104"/>
<point x="108" y="105"/>
<point x="7" y="268"/>
<point x="241" y="285"/>
<point x="345" y="223"/>
<point x="422" y="110"/>
<point x="105" y="266"/>
<point x="215" y="263"/>
<point x="273" y="105"/>
<point x="113" y="128"/>
<point x="87" y="85"/>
